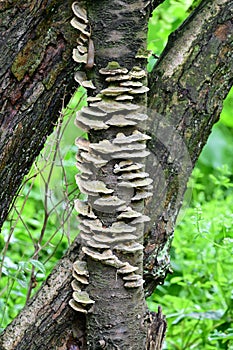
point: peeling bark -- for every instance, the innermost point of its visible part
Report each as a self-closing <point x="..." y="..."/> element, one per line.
<point x="188" y="93"/>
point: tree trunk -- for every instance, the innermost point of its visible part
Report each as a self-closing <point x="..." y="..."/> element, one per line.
<point x="187" y="88"/>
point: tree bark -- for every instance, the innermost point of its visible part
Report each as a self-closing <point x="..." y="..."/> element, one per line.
<point x="187" y="86"/>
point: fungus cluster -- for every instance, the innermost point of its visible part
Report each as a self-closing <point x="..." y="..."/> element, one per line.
<point x="111" y="243"/>
<point x="84" y="52"/>
<point x="81" y="301"/>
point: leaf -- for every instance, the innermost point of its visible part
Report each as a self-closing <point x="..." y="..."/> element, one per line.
<point x="37" y="264"/>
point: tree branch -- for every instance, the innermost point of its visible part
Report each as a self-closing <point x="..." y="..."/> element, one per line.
<point x="36" y="74"/>
<point x="187" y="89"/>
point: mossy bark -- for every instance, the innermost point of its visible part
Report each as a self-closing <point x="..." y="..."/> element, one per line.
<point x="188" y="86"/>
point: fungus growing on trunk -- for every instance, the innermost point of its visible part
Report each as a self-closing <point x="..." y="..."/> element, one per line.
<point x="112" y="218"/>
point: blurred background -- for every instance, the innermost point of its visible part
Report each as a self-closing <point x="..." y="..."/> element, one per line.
<point x="198" y="297"/>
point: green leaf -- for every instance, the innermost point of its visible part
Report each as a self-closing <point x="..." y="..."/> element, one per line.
<point x="37" y="264"/>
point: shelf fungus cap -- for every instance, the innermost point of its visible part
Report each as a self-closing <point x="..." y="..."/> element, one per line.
<point x="118" y="77"/>
<point x="119" y="120"/>
<point x="97" y="245"/>
<point x="132" y="176"/>
<point x="140" y="90"/>
<point x="137" y="73"/>
<point x="114" y="90"/>
<point x="127" y="167"/>
<point x="104" y="147"/>
<point x="75" y="286"/>
<point x="142" y="195"/>
<point x="140" y="117"/>
<point x="84" y="209"/>
<point x="108" y="203"/>
<point x="85" y="236"/>
<point x="105" y="255"/>
<point x="82" y="298"/>
<point x="84" y="169"/>
<point x="140" y="220"/>
<point x="88" y="84"/>
<point x="93" y="224"/>
<point x="114" y="262"/>
<point x="113" y="68"/>
<point x="77" y="307"/>
<point x="114" y="239"/>
<point x="93" y="112"/>
<point x="80" y="278"/>
<point x="82" y="39"/>
<point x="128" y="248"/>
<point x="127" y="269"/>
<point x="92" y="186"/>
<point x="131" y="153"/>
<point x="82" y="49"/>
<point x="137" y="136"/>
<point x="86" y="123"/>
<point x="80" y="26"/>
<point x="136" y="183"/>
<point x="97" y="161"/>
<point x="134" y="284"/>
<point x="80" y="77"/>
<point x="131" y="83"/>
<point x="132" y="277"/>
<point x="124" y="98"/>
<point x="83" y="228"/>
<point x="77" y="57"/>
<point x="94" y="98"/>
<point x="118" y="228"/>
<point x="82" y="144"/>
<point x="114" y="107"/>
<point x="129" y="213"/>
<point x="80" y="267"/>
<point x="80" y="12"/>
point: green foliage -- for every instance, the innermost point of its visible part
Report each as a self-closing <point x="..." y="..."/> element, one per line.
<point x="197" y="298"/>
<point x="166" y="18"/>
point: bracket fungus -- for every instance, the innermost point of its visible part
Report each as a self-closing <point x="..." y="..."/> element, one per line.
<point x="127" y="268"/>
<point x="82" y="298"/>
<point x="81" y="302"/>
<point x="108" y="203"/>
<point x="80" y="267"/>
<point x="84" y="208"/>
<point x="128" y="247"/>
<point x="84" y="53"/>
<point x="80" y="278"/>
<point x="77" y="307"/>
<point x="80" y="12"/>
